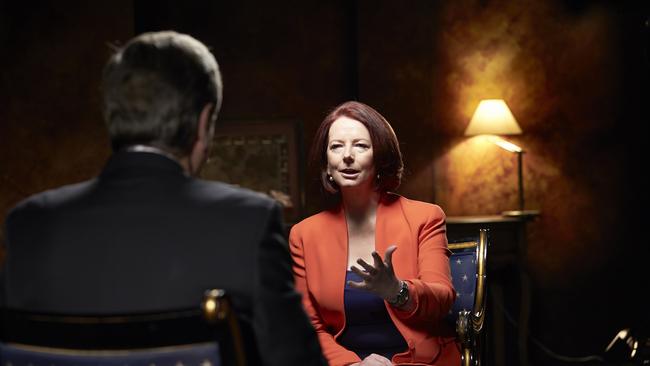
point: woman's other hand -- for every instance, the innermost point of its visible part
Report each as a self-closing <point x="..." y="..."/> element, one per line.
<point x="374" y="360"/>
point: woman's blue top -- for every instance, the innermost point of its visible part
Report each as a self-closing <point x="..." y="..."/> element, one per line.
<point x="369" y="328"/>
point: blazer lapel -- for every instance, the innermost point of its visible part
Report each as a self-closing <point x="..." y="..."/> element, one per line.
<point x="392" y="228"/>
<point x="333" y="258"/>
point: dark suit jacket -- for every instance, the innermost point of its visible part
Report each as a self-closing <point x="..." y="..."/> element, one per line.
<point x="145" y="237"/>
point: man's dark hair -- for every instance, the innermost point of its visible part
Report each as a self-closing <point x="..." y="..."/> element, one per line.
<point x="155" y="88"/>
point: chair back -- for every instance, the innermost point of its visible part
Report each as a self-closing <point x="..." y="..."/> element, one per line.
<point x="468" y="263"/>
<point x="207" y="335"/>
<point x="207" y="354"/>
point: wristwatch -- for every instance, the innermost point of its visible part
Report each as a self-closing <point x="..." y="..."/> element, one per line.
<point x="402" y="296"/>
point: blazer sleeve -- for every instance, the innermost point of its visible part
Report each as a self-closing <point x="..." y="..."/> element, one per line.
<point x="336" y="354"/>
<point x="283" y="332"/>
<point x="432" y="290"/>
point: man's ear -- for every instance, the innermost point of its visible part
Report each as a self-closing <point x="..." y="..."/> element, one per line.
<point x="203" y="133"/>
<point x="201" y="147"/>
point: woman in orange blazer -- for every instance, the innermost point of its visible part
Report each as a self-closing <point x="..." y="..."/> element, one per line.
<point x="369" y="310"/>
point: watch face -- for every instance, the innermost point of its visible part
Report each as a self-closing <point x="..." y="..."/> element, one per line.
<point x="402" y="296"/>
<point x="405" y="291"/>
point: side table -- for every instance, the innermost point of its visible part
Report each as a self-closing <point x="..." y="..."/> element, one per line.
<point x="508" y="247"/>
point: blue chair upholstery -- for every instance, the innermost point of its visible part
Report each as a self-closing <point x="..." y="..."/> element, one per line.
<point x="468" y="272"/>
<point x="189" y="337"/>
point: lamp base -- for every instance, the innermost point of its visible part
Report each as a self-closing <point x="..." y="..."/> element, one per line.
<point x="526" y="214"/>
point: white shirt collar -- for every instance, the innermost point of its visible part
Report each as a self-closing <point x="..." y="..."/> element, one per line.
<point x="152" y="150"/>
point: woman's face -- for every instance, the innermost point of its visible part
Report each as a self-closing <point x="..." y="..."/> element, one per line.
<point x="349" y="154"/>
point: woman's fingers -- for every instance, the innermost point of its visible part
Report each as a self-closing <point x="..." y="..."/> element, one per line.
<point x="369" y="269"/>
<point x="379" y="263"/>
<point x="379" y="278"/>
<point x="389" y="255"/>
<point x="357" y="285"/>
<point x="364" y="275"/>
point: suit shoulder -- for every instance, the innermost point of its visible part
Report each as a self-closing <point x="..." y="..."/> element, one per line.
<point x="320" y="218"/>
<point x="229" y="194"/>
<point x="421" y="208"/>
<point x="38" y="207"/>
<point x="314" y="222"/>
<point x="54" y="197"/>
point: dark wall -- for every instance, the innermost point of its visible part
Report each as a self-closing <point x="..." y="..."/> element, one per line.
<point x="396" y="50"/>
<point x="573" y="72"/>
<point x="51" y="131"/>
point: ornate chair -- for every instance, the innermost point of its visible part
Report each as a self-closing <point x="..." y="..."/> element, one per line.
<point x="468" y="271"/>
<point x="208" y="335"/>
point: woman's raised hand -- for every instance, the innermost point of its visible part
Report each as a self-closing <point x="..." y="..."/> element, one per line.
<point x="378" y="278"/>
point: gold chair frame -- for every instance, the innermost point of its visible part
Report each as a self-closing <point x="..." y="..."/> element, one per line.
<point x="470" y="331"/>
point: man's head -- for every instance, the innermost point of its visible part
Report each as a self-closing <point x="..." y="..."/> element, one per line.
<point x="157" y="88"/>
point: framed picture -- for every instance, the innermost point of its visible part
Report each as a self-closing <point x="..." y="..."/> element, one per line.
<point x="262" y="156"/>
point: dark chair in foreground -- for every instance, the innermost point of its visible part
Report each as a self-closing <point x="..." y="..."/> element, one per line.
<point x="468" y="272"/>
<point x="207" y="335"/>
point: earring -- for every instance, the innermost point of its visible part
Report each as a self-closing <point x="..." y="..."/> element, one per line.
<point x="378" y="176"/>
<point x="330" y="178"/>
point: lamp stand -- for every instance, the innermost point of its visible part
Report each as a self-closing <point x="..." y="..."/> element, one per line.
<point x="523" y="216"/>
<point x="521" y="212"/>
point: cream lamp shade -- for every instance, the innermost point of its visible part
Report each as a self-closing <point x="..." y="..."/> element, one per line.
<point x="492" y="117"/>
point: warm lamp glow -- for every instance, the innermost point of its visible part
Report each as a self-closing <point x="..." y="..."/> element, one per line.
<point x="492" y="117"/>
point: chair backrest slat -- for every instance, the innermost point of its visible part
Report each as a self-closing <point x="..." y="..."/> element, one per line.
<point x="207" y="335"/>
<point x="204" y="354"/>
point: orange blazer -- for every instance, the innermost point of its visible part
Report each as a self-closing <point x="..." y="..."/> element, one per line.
<point x="319" y="247"/>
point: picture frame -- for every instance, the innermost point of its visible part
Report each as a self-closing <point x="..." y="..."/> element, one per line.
<point x="263" y="156"/>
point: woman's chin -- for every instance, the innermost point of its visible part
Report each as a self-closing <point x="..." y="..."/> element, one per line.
<point x="356" y="186"/>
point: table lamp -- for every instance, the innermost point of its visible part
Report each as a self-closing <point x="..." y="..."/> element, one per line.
<point x="493" y="117"/>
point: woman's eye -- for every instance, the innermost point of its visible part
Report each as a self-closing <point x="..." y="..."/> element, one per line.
<point x="362" y="146"/>
<point x="335" y="146"/>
